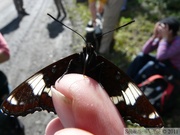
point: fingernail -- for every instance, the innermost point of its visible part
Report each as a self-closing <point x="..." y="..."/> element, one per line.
<point x="60" y="96"/>
<point x="63" y="107"/>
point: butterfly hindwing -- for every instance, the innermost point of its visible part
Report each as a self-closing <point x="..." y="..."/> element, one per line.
<point x="34" y="94"/>
<point x="127" y="97"/>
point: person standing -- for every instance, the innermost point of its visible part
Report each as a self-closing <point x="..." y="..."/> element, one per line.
<point x="59" y="6"/>
<point x="8" y="125"/>
<point x="111" y="13"/>
<point x="19" y="7"/>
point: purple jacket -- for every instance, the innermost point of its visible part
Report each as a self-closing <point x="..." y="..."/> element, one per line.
<point x="165" y="51"/>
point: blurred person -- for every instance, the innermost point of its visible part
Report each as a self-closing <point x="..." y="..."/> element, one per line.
<point x="83" y="108"/>
<point x="4" y="56"/>
<point x="166" y="41"/>
<point x="60" y="7"/>
<point x="4" y="50"/>
<point x="111" y="13"/>
<point x="96" y="8"/>
<point x="124" y="5"/>
<point x="8" y="125"/>
<point x="19" y="7"/>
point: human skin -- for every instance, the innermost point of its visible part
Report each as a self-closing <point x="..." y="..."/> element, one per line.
<point x="83" y="108"/>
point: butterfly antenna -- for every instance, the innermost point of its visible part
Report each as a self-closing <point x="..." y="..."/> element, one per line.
<point x="116" y="28"/>
<point x="67" y="27"/>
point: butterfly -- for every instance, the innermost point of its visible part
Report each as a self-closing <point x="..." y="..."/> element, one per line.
<point x="34" y="94"/>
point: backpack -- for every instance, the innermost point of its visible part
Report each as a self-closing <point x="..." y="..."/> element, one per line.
<point x="159" y="91"/>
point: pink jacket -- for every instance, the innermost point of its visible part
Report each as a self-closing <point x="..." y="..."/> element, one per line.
<point x="4" y="46"/>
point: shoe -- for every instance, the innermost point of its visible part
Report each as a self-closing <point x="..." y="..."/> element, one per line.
<point x="22" y="13"/>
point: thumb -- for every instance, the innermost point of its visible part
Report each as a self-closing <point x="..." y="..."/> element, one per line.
<point x="82" y="103"/>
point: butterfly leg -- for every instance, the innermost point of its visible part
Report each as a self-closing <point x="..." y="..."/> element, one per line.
<point x="67" y="70"/>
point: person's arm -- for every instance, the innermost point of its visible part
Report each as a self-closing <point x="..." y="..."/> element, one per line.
<point x="150" y="45"/>
<point x="166" y="51"/>
<point x="4" y="50"/>
<point x="169" y="46"/>
<point x="153" y="41"/>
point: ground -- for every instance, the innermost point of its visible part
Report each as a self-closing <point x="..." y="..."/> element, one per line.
<point x="34" y="41"/>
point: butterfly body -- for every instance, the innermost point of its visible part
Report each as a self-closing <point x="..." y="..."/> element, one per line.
<point x="34" y="94"/>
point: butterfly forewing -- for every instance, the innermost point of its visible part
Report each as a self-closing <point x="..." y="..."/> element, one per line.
<point x="34" y="94"/>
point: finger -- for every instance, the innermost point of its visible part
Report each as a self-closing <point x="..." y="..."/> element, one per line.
<point x="166" y="27"/>
<point x="72" y="131"/>
<point x="53" y="126"/>
<point x="85" y="105"/>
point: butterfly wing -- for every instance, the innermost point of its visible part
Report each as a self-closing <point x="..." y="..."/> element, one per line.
<point x="34" y="94"/>
<point x="127" y="97"/>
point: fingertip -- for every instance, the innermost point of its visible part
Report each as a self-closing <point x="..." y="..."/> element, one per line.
<point x="53" y="126"/>
<point x="73" y="131"/>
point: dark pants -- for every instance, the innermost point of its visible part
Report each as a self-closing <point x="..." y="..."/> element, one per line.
<point x="60" y="7"/>
<point x="19" y="5"/>
<point x="8" y="125"/>
<point x="145" y="65"/>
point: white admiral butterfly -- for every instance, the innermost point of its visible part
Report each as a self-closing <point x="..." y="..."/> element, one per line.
<point x="34" y="94"/>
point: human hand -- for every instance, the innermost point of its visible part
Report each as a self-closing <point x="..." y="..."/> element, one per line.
<point x="101" y="8"/>
<point x="156" y="30"/>
<point x="83" y="108"/>
<point x="165" y="32"/>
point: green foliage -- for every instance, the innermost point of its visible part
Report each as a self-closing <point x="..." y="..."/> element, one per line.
<point x="171" y="4"/>
<point x="131" y="38"/>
